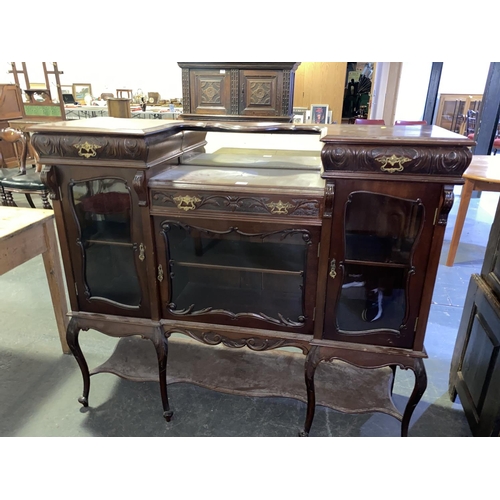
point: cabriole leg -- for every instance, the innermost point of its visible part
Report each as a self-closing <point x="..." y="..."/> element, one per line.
<point x="161" y="345"/>
<point x="418" y="391"/>
<point x="310" y="368"/>
<point x="72" y="339"/>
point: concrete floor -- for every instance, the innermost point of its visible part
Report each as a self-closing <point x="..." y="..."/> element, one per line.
<point x="39" y="385"/>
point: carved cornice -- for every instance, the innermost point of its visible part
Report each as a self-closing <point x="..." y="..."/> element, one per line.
<point x="244" y="204"/>
<point x="396" y="159"/>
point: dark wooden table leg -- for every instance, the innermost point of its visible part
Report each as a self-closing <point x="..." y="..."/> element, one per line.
<point x="72" y="340"/>
<point x="161" y="345"/>
<point x="418" y="391"/>
<point x="311" y="364"/>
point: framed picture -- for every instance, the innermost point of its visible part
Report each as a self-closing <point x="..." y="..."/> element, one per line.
<point x="38" y="86"/>
<point x="80" y="90"/>
<point x="299" y="112"/>
<point x="66" y="89"/>
<point x="319" y="113"/>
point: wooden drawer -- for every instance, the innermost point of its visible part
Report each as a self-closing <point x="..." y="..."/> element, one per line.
<point x="182" y="201"/>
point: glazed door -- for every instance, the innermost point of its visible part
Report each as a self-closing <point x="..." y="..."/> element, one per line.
<point x="381" y="237"/>
<point x="256" y="275"/>
<point x="106" y="243"/>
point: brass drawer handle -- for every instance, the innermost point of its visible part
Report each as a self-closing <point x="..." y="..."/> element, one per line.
<point x="86" y="149"/>
<point x="392" y="160"/>
<point x="280" y="207"/>
<point x="186" y="202"/>
<point x="333" y="269"/>
<point x="160" y="273"/>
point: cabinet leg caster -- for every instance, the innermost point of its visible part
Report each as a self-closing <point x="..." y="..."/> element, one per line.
<point x="303" y="434"/>
<point x="83" y="401"/>
<point x="167" y="415"/>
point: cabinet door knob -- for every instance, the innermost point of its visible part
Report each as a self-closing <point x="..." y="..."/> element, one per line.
<point x="141" y="252"/>
<point x="333" y="269"/>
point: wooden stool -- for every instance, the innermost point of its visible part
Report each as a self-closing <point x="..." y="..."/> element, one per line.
<point x="483" y="174"/>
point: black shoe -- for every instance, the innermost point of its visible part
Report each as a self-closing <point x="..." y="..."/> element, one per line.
<point x="373" y="310"/>
<point x="353" y="280"/>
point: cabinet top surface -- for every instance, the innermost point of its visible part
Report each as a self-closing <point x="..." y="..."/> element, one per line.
<point x="354" y="134"/>
<point x="237" y="178"/>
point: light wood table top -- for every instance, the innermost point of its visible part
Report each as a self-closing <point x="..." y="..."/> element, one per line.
<point x="484" y="168"/>
<point x="24" y="234"/>
<point x="483" y="174"/>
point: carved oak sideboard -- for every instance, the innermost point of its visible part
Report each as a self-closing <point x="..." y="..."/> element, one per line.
<point x="187" y="228"/>
<point x="238" y="90"/>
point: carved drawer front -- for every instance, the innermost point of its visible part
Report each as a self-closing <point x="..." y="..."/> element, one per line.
<point x="278" y="205"/>
<point x="396" y="159"/>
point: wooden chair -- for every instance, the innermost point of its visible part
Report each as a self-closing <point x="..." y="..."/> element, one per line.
<point x="367" y="121"/>
<point x="470" y="129"/>
<point x="410" y="122"/>
<point x="25" y="181"/>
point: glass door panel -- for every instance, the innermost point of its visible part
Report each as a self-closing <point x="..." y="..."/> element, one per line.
<point x="102" y="208"/>
<point x="381" y="233"/>
<point x="236" y="272"/>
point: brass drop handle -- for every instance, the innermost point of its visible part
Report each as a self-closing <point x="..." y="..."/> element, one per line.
<point x="333" y="269"/>
<point x="142" y="248"/>
<point x="160" y="273"/>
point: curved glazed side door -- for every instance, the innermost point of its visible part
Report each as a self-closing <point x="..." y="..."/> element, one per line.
<point x="106" y="241"/>
<point x="381" y="239"/>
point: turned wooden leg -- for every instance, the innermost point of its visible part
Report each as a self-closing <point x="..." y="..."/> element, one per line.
<point x="418" y="391"/>
<point x="72" y="340"/>
<point x="312" y="361"/>
<point x="9" y="199"/>
<point x="2" y="195"/>
<point x="45" y="200"/>
<point x="161" y="345"/>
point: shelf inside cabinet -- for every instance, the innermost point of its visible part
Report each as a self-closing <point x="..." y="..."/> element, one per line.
<point x="253" y="256"/>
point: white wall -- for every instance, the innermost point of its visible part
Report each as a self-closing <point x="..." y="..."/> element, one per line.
<point x="107" y="76"/>
<point x="459" y="77"/>
<point x="413" y="86"/>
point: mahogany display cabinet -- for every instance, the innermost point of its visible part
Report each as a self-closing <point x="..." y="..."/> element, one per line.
<point x="222" y="233"/>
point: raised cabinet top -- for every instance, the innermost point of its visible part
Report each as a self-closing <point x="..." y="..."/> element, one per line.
<point x="239" y="65"/>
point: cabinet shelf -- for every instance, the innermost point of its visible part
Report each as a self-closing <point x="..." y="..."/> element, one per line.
<point x="393" y="265"/>
<point x="240" y="254"/>
<point x="108" y="233"/>
<point x="237" y="268"/>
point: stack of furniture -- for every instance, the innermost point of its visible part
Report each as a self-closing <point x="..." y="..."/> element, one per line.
<point x="475" y="367"/>
<point x="453" y="109"/>
<point x="332" y="252"/>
